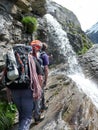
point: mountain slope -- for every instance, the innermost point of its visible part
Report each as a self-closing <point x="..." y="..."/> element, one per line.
<point x="93" y="33"/>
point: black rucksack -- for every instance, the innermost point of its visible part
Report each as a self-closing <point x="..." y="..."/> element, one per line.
<point x="40" y="60"/>
<point x="21" y="52"/>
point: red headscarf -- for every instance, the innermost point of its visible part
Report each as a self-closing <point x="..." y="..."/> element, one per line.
<point x="36" y="44"/>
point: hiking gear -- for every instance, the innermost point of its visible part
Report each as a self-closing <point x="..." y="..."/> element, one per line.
<point x="40" y="57"/>
<point x="36" y="44"/>
<point x="10" y="60"/>
<point x="44" y="57"/>
<point x="40" y="60"/>
<point x="43" y="60"/>
<point x="44" y="108"/>
<point x="34" y="84"/>
<point x="41" y="118"/>
<point x="21" y="52"/>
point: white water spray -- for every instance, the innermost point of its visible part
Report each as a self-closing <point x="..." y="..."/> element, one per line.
<point x="75" y="71"/>
<point x="61" y="40"/>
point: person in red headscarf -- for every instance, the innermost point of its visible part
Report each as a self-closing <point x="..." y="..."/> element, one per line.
<point x="36" y="47"/>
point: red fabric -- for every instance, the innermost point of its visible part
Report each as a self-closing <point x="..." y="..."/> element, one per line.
<point x="35" y="86"/>
<point x="36" y="44"/>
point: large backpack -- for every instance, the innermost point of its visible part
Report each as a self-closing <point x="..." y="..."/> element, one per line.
<point x="22" y="79"/>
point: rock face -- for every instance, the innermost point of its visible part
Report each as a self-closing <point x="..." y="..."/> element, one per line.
<point x="12" y="31"/>
<point x="89" y="62"/>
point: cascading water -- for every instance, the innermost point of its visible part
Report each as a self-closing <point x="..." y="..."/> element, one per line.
<point x="62" y="41"/>
<point x="75" y="72"/>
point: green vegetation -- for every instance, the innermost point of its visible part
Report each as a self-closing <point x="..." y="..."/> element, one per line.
<point x="7" y="115"/>
<point x="30" y="24"/>
<point x="84" y="50"/>
<point x="77" y="36"/>
<point x="86" y="45"/>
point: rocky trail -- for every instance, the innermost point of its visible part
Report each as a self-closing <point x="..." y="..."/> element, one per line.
<point x="66" y="107"/>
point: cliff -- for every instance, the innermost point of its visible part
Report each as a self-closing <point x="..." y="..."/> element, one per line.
<point x="12" y="30"/>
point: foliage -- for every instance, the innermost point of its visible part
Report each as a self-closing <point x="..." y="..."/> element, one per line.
<point x="84" y="50"/>
<point x="7" y="115"/>
<point x="30" y="24"/>
<point x="86" y="45"/>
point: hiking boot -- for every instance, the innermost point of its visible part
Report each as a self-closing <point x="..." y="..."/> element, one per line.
<point x="44" y="108"/>
<point x="41" y="118"/>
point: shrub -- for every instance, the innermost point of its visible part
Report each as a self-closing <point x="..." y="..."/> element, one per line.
<point x="7" y="115"/>
<point x="30" y="24"/>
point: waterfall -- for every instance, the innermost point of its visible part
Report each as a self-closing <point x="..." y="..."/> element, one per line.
<point x="61" y="40"/>
<point x="75" y="72"/>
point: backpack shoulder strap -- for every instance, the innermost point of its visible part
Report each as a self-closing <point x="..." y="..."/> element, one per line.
<point x="20" y="61"/>
<point x="43" y="52"/>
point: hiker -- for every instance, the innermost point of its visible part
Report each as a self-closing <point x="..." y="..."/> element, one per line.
<point x="39" y="51"/>
<point x="25" y="95"/>
<point x="45" y="59"/>
<point x="36" y="46"/>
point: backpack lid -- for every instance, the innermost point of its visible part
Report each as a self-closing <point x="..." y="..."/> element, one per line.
<point x="23" y="48"/>
<point x="36" y="44"/>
